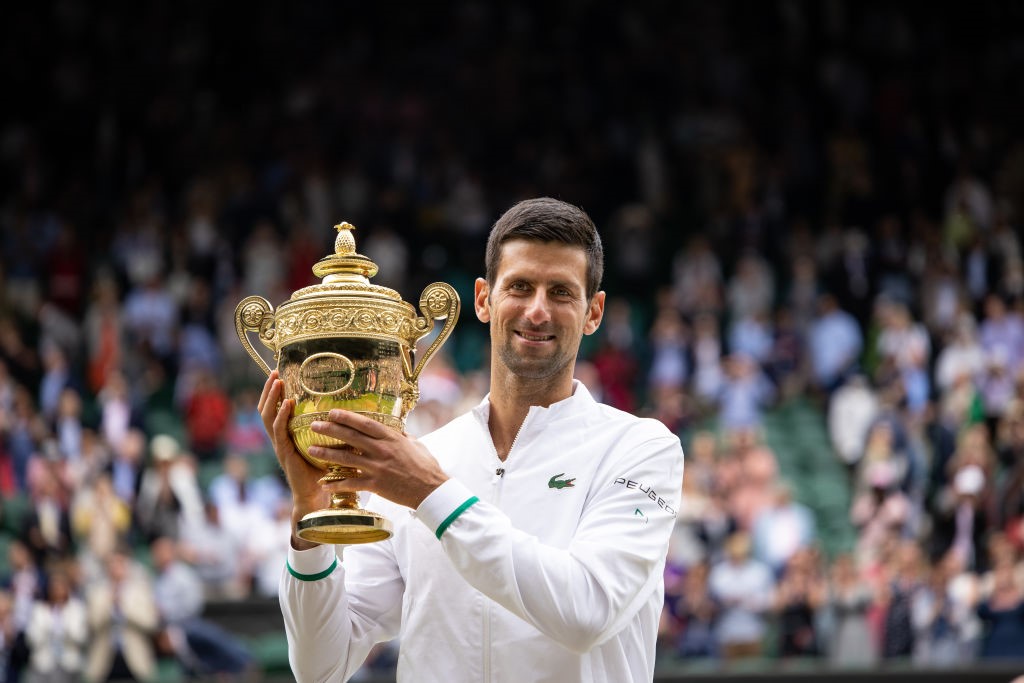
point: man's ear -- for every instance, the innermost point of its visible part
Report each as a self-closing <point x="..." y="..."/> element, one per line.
<point x="481" y="305"/>
<point x="595" y="314"/>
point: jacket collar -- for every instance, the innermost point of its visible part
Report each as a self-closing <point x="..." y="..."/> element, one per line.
<point x="579" y="401"/>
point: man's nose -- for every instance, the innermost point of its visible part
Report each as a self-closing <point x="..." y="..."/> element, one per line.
<point x="537" y="310"/>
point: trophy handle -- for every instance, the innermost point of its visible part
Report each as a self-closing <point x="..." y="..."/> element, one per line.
<point x="255" y="314"/>
<point x="439" y="301"/>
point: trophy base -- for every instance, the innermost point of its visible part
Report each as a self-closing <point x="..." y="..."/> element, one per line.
<point x="343" y="526"/>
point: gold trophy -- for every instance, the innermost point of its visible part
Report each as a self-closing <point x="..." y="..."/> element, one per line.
<point x="346" y="343"/>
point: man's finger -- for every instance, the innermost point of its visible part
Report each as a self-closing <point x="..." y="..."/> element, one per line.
<point x="281" y="419"/>
<point x="345" y="456"/>
<point x="266" y="391"/>
<point x="360" y="423"/>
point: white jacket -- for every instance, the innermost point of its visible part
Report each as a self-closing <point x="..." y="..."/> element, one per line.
<point x="555" y="574"/>
<point x="57" y="637"/>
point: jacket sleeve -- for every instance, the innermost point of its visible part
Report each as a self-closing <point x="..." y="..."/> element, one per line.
<point x="334" y="612"/>
<point x="581" y="595"/>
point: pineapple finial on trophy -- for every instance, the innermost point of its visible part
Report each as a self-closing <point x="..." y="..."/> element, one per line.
<point x="344" y="243"/>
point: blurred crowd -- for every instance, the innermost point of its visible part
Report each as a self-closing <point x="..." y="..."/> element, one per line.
<point x="815" y="202"/>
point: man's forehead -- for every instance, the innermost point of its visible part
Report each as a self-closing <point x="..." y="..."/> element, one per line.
<point x="513" y="254"/>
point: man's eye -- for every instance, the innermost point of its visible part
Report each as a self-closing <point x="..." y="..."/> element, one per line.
<point x="519" y="286"/>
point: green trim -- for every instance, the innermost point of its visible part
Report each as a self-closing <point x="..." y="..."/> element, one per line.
<point x="312" y="577"/>
<point x="452" y="517"/>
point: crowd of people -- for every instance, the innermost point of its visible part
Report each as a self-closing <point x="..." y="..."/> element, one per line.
<point x="828" y="210"/>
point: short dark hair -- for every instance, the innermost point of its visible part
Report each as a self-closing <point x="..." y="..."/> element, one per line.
<point x="548" y="220"/>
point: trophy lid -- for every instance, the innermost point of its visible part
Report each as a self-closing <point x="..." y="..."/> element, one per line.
<point x="345" y="269"/>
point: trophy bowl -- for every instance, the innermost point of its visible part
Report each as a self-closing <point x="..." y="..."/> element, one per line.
<point x="346" y="343"/>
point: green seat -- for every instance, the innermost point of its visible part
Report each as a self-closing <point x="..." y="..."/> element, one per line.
<point x="16" y="509"/>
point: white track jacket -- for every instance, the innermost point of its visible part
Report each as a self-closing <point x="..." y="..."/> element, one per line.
<point x="546" y="567"/>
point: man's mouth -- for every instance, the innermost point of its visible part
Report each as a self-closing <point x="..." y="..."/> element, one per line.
<point x="534" y="337"/>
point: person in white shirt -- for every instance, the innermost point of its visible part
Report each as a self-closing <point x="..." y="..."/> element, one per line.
<point x="530" y="533"/>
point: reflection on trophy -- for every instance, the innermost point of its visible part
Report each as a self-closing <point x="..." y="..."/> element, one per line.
<point x="346" y="343"/>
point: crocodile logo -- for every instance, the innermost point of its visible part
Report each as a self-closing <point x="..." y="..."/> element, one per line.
<point x="556" y="483"/>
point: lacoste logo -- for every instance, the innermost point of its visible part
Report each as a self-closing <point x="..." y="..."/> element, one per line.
<point x="556" y="483"/>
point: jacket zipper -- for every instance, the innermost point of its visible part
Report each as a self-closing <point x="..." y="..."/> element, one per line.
<point x="497" y="479"/>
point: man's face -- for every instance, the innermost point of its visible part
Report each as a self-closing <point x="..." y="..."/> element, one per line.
<point x="538" y="309"/>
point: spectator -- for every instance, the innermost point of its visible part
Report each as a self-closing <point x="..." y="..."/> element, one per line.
<point x="101" y="521"/>
<point x="1003" y="616"/>
<point x="904" y="585"/>
<point x="169" y="494"/>
<point x="697" y="612"/>
<point x="852" y="642"/>
<point x="8" y="637"/>
<point x="57" y="634"/>
<point x="122" y="622"/>
<point x="781" y="530"/>
<point x="207" y="416"/>
<point x="799" y="595"/>
<point x="835" y="342"/>
<point x="743" y="587"/>
<point x="200" y="645"/>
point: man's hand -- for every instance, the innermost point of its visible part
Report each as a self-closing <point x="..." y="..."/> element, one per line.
<point x="303" y="479"/>
<point x="391" y="464"/>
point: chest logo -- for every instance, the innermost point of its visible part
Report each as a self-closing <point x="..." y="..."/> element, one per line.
<point x="556" y="483"/>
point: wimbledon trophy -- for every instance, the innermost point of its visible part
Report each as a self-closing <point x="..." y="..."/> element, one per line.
<point x="346" y="343"/>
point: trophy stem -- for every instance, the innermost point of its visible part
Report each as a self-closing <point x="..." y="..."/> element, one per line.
<point x="341" y="500"/>
<point x="343" y="521"/>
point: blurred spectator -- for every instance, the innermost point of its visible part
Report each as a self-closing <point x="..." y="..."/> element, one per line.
<point x="56" y="378"/>
<point x="150" y="313"/>
<point x="852" y="643"/>
<point x="744" y="394"/>
<point x="1003" y="616"/>
<point x="268" y="550"/>
<point x="962" y="517"/>
<point x="707" y="358"/>
<point x="101" y="521"/>
<point x="962" y="358"/>
<point x="117" y="414"/>
<point x="57" y="634"/>
<point x="8" y="637"/>
<point x="25" y="430"/>
<point x="743" y="587"/>
<point x="169" y="495"/>
<point x="881" y="512"/>
<point x="214" y="551"/>
<point x="851" y="412"/>
<point x="799" y="595"/>
<point x="697" y="278"/>
<point x="781" y="530"/>
<point x="104" y="333"/>
<point x="207" y="415"/>
<point x="245" y="434"/>
<point x="126" y="467"/>
<point x="943" y="619"/>
<point x="201" y="646"/>
<point x="905" y="348"/>
<point x="751" y="288"/>
<point x="834" y="343"/>
<point x="122" y="622"/>
<point x="904" y="585"/>
<point x="244" y="505"/>
<point x="47" y="527"/>
<point x="696" y="612"/>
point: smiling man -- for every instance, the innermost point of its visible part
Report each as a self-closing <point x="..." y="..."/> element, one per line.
<point x="530" y="533"/>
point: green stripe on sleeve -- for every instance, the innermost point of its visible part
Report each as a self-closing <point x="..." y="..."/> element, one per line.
<point x="455" y="515"/>
<point x="312" y="577"/>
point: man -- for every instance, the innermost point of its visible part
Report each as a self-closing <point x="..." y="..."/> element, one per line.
<point x="530" y="533"/>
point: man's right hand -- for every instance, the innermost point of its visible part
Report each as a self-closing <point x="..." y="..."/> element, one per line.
<point x="303" y="478"/>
